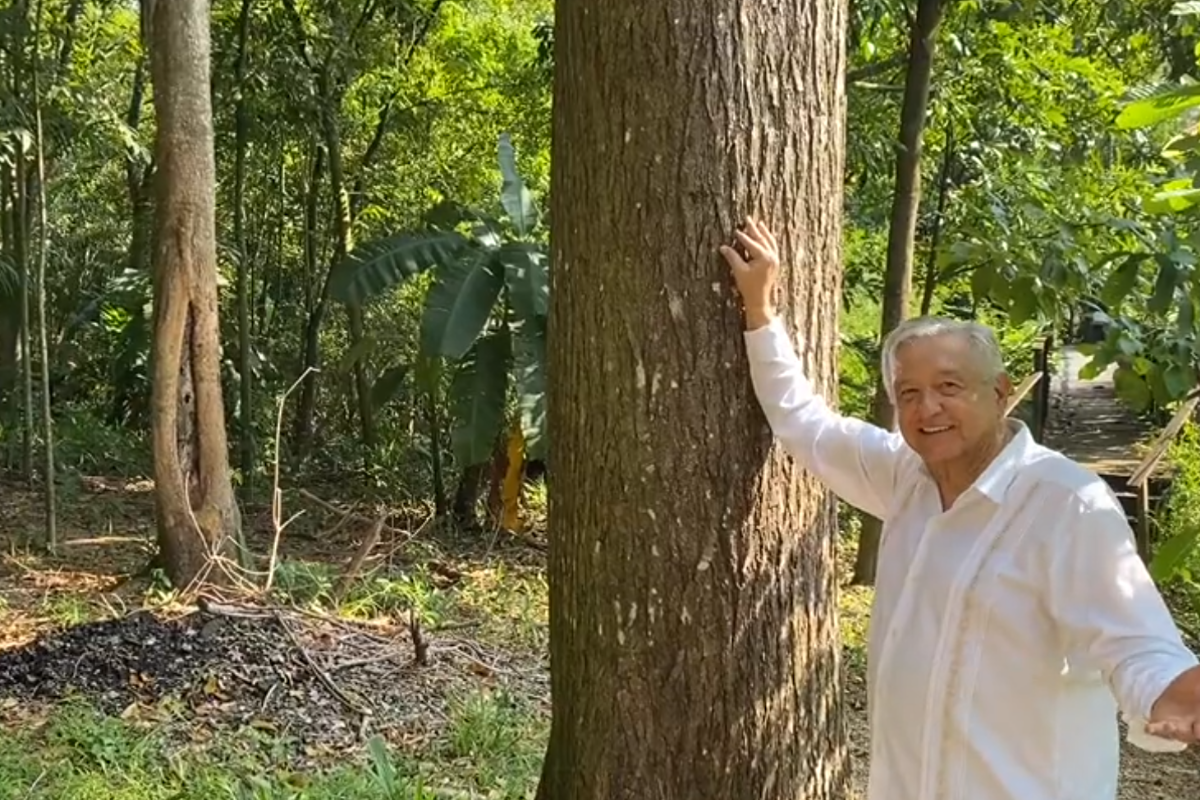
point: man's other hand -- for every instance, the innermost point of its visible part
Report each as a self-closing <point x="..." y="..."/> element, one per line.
<point x="1176" y="714"/>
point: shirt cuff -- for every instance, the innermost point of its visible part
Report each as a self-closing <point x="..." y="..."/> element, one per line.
<point x="769" y="342"/>
<point x="1150" y="692"/>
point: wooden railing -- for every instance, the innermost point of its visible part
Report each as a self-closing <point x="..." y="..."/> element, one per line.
<point x="1139" y="482"/>
<point x="1038" y="379"/>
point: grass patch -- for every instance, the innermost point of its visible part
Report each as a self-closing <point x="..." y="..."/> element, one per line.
<point x="493" y="746"/>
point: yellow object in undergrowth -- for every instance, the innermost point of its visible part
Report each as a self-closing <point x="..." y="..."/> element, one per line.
<point x="513" y="471"/>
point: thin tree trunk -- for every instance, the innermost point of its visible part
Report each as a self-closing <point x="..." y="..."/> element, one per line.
<point x="10" y="333"/>
<point x="245" y="367"/>
<point x="197" y="514"/>
<point x="302" y="430"/>
<point x="693" y="637"/>
<point x="935" y="237"/>
<point x="906" y="203"/>
<point x="21" y="214"/>
<point x="43" y="333"/>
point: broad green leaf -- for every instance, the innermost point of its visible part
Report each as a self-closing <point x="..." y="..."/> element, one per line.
<point x="1127" y="344"/>
<point x="1023" y="299"/>
<point x="514" y="196"/>
<point x="1132" y="388"/>
<point x="1174" y="553"/>
<point x="376" y="266"/>
<point x="982" y="280"/>
<point x="1185" y="8"/>
<point x="388" y="385"/>
<point x="477" y="397"/>
<point x="1178" y="379"/>
<point x="1164" y="285"/>
<point x="527" y="277"/>
<point x="529" y="365"/>
<point x="1121" y="281"/>
<point x="1159" y="107"/>
<point x="1176" y="196"/>
<point x="1158" y="387"/>
<point x="459" y="304"/>
<point x="1185" y="318"/>
<point x="1181" y="145"/>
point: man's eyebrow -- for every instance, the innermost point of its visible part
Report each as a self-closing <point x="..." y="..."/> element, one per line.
<point x="957" y="374"/>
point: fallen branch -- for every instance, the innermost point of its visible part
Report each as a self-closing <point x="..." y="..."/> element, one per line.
<point x="365" y="662"/>
<point x="99" y="540"/>
<point x="345" y="699"/>
<point x="210" y="606"/>
<point x="355" y="565"/>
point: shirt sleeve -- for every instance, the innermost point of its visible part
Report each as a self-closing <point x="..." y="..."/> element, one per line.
<point x="1107" y="606"/>
<point x="858" y="461"/>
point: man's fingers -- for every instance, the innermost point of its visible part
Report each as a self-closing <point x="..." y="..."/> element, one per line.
<point x="771" y="239"/>
<point x="755" y="248"/>
<point x="734" y="259"/>
<point x="762" y="233"/>
<point x="1180" y="730"/>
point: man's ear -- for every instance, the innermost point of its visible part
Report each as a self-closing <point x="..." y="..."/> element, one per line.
<point x="1004" y="388"/>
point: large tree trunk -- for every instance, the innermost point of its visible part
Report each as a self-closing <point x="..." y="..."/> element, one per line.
<point x="906" y="203"/>
<point x="692" y="598"/>
<point x="197" y="516"/>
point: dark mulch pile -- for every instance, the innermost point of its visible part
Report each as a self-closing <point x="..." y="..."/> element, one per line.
<point x="135" y="658"/>
<point x="322" y="685"/>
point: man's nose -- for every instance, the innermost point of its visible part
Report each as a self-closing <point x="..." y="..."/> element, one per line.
<point x="931" y="403"/>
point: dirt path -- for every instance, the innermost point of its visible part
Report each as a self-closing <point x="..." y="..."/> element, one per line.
<point x="1088" y="424"/>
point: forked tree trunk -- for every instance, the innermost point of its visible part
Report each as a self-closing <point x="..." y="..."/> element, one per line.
<point x="197" y="516"/>
<point x="693" y="627"/>
<point x="902" y="232"/>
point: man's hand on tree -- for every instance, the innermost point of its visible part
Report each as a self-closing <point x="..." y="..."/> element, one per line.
<point x="755" y="271"/>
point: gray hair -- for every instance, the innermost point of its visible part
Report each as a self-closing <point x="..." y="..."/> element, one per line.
<point x="981" y="339"/>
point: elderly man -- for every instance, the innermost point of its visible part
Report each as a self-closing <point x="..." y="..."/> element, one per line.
<point x="1011" y="607"/>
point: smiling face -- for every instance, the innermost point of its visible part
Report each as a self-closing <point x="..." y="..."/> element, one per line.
<point x="947" y="405"/>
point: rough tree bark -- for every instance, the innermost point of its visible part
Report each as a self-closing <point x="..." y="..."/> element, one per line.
<point x="197" y="516"/>
<point x="902" y="232"/>
<point x="692" y="620"/>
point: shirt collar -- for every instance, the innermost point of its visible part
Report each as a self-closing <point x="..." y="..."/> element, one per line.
<point x="995" y="481"/>
<point x="1000" y="474"/>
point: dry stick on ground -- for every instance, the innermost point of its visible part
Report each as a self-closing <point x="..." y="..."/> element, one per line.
<point x="364" y="549"/>
<point x="420" y="645"/>
<point x="346" y="700"/>
<point x="277" y="521"/>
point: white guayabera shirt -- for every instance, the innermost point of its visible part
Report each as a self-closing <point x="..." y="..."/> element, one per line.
<point x="1005" y="631"/>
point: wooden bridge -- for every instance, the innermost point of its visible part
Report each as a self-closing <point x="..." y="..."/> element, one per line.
<point x="1083" y="419"/>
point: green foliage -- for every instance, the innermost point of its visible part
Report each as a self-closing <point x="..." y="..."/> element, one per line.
<point x="485" y="312"/>
<point x="1175" y="559"/>
<point x="376" y="266"/>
